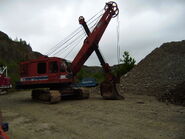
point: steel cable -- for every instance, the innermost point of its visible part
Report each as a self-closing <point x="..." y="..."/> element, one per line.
<point x="118" y="43"/>
<point x="68" y="43"/>
<point x="76" y="44"/>
<point x="70" y="37"/>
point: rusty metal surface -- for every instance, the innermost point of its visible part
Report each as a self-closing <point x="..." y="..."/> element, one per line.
<point x="55" y="96"/>
<point x="109" y="90"/>
<point x="46" y="96"/>
<point x="41" y="95"/>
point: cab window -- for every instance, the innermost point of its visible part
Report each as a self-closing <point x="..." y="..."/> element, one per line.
<point x="68" y="66"/>
<point x="53" y="67"/>
<point x="41" y="68"/>
<point x="62" y="67"/>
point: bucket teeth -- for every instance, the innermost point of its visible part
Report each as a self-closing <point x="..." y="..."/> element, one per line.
<point x="109" y="90"/>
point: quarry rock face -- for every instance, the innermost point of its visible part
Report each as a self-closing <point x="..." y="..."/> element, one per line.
<point x="12" y="52"/>
<point x="159" y="73"/>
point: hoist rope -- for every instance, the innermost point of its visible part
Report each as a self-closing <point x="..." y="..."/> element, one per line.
<point x="95" y="15"/>
<point x="62" y="42"/>
<point x="66" y="41"/>
<point x="77" y="42"/>
<point x="118" y="41"/>
<point x="64" y="48"/>
<point x="72" y="36"/>
<point x="75" y="45"/>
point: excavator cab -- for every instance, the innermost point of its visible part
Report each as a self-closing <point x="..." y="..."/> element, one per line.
<point x="44" y="72"/>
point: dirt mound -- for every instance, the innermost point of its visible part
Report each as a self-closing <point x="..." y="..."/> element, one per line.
<point x="158" y="73"/>
<point x="176" y="95"/>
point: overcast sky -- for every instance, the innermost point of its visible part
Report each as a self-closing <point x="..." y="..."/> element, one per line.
<point x="143" y="24"/>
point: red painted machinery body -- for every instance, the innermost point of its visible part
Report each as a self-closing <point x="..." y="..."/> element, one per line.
<point x="38" y="73"/>
<point x="5" y="82"/>
<point x="55" y="73"/>
<point x="45" y="72"/>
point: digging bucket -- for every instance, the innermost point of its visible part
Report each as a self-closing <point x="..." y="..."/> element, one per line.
<point x="109" y="90"/>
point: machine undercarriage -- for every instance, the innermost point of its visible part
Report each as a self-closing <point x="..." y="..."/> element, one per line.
<point x="54" y="96"/>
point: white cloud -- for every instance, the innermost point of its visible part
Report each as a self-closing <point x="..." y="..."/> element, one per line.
<point x="144" y="24"/>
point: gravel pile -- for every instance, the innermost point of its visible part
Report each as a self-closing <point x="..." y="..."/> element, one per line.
<point x="159" y="74"/>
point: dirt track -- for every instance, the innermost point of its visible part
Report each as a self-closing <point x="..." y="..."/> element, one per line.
<point x="136" y="117"/>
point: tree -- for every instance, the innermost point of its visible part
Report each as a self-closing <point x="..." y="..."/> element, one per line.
<point x="127" y="63"/>
<point x="127" y="59"/>
<point x="16" y="39"/>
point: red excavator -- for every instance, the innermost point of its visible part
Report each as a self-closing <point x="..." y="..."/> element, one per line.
<point x="52" y="78"/>
<point x="5" y="81"/>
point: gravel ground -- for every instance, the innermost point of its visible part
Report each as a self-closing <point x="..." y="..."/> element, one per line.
<point x="136" y="117"/>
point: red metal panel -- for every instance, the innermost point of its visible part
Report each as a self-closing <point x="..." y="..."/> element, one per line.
<point x="5" y="82"/>
<point x="33" y="77"/>
<point x="93" y="38"/>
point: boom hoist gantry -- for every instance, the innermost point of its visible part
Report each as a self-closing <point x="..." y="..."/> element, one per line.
<point x="58" y="76"/>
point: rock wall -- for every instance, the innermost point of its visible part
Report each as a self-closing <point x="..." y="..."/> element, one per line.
<point x="13" y="52"/>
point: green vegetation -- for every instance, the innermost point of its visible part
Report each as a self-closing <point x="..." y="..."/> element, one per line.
<point x="21" y="41"/>
<point x="12" y="70"/>
<point x="87" y="72"/>
<point x="12" y="52"/>
<point x="127" y="63"/>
